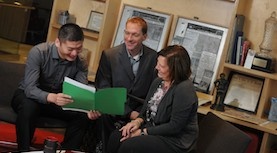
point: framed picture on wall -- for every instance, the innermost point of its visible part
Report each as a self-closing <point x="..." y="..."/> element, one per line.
<point x="243" y="92"/>
<point x="158" y="26"/>
<point x="204" y="43"/>
<point x="95" y="21"/>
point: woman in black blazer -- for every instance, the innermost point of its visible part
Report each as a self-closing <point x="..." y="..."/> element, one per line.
<point x="168" y="120"/>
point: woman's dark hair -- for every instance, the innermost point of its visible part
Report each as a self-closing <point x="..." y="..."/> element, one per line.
<point x="70" y="32"/>
<point x="178" y="61"/>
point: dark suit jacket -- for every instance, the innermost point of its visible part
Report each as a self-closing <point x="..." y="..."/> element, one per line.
<point x="176" y="120"/>
<point x="115" y="71"/>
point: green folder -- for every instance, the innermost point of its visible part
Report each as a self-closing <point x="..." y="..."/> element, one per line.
<point x="107" y="100"/>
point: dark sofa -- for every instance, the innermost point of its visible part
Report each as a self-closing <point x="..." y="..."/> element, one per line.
<point x="10" y="75"/>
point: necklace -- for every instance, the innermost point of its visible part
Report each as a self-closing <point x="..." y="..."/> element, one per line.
<point x="165" y="86"/>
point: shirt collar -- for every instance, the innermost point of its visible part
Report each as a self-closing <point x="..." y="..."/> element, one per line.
<point x="137" y="57"/>
<point x="55" y="55"/>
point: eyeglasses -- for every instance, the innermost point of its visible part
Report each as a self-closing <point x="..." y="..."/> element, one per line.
<point x="127" y="33"/>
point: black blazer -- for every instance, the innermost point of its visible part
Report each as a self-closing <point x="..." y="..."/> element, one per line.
<point x="176" y="119"/>
<point x="115" y="71"/>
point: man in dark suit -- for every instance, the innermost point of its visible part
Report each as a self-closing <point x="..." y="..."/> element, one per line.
<point x="130" y="65"/>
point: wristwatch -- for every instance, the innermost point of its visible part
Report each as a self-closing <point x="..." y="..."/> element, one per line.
<point x="142" y="132"/>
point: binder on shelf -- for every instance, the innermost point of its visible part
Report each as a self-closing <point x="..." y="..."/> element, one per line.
<point x="239" y="49"/>
<point x="235" y="48"/>
<point x="107" y="101"/>
<point x="238" y="26"/>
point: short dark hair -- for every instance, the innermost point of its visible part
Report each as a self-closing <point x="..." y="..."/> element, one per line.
<point x="140" y="21"/>
<point x="178" y="61"/>
<point x="71" y="32"/>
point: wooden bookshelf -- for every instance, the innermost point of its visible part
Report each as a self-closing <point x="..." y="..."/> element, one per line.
<point x="95" y="42"/>
<point x="89" y="34"/>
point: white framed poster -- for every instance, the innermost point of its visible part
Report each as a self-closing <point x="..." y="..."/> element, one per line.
<point x="158" y="26"/>
<point x="204" y="43"/>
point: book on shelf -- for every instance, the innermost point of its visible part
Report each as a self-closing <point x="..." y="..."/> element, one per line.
<point x="239" y="49"/>
<point x="86" y="98"/>
<point x="249" y="58"/>
<point x="238" y="26"/>
<point x="236" y="48"/>
<point x="245" y="48"/>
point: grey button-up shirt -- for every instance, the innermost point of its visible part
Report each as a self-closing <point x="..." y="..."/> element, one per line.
<point x="45" y="72"/>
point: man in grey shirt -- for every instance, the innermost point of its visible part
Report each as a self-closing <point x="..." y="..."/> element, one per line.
<point x="40" y="91"/>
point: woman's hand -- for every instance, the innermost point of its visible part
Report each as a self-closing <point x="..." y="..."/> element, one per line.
<point x="132" y="134"/>
<point x="93" y="115"/>
<point x="134" y="115"/>
<point x="130" y="127"/>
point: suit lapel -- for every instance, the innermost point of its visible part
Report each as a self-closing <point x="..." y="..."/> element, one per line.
<point x="125" y="62"/>
<point x="142" y="64"/>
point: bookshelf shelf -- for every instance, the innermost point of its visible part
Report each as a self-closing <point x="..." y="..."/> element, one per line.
<point x="256" y="73"/>
<point x="87" y="33"/>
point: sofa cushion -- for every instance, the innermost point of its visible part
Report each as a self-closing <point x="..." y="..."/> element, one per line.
<point x="11" y="74"/>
